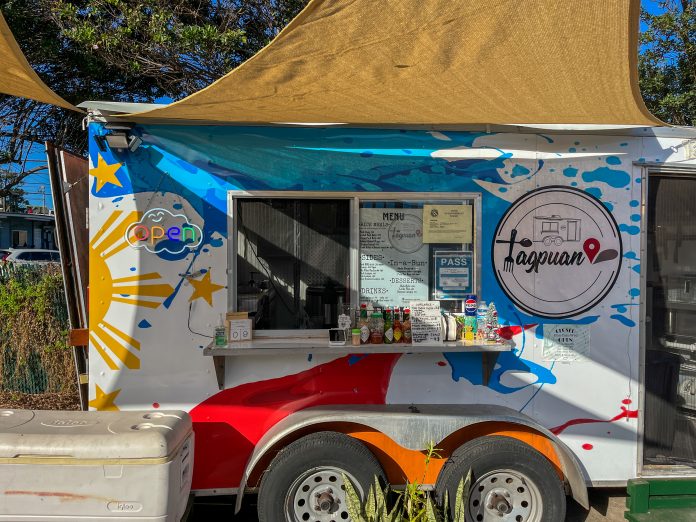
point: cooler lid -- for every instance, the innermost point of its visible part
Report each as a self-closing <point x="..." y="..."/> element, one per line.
<point x="92" y="434"/>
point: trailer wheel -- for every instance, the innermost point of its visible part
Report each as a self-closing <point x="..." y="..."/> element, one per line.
<point x="510" y="482"/>
<point x="304" y="481"/>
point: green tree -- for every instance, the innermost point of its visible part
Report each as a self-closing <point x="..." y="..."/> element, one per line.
<point x="123" y="50"/>
<point x="667" y="62"/>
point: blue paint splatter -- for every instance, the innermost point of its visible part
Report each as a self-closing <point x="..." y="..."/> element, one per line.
<point x="572" y="149"/>
<point x="636" y="269"/>
<point x="623" y="307"/>
<point x="116" y="200"/>
<point x="133" y="269"/>
<point x="613" y="160"/>
<point x="595" y="192"/>
<point x="613" y="178"/>
<point x="623" y="144"/>
<point x="609" y="206"/>
<point x="574" y="184"/>
<point x="177" y="206"/>
<point x="353" y="359"/>
<point x="624" y="320"/>
<point x="634" y="203"/>
<point x="570" y="172"/>
<point x="519" y="170"/>
<point x="629" y="229"/>
<point x="635" y="217"/>
<point x="633" y="292"/>
<point x="502" y="189"/>
<point x="309" y="357"/>
<point x="144" y="324"/>
<point x="631" y="255"/>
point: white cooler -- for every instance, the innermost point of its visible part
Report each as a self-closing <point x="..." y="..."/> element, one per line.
<point x="84" y="466"/>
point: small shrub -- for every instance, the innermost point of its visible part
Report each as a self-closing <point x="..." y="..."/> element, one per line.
<point x="413" y="504"/>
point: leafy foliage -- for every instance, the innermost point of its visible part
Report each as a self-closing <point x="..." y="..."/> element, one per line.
<point x="413" y="504"/>
<point x="667" y="64"/>
<point x="34" y="355"/>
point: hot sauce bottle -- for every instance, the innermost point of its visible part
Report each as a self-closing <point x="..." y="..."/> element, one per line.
<point x="364" y="325"/>
<point x="388" y="326"/>
<point x="406" y="327"/>
<point x="398" y="332"/>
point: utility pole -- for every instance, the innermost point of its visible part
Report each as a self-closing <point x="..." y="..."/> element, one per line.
<point x="42" y="189"/>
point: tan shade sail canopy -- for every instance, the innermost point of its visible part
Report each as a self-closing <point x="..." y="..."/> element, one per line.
<point x="430" y="62"/>
<point x="17" y="78"/>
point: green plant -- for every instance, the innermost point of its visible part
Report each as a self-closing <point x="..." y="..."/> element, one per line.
<point x="413" y="504"/>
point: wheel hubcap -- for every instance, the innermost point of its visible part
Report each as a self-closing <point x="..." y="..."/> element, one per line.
<point x="319" y="495"/>
<point x="504" y="495"/>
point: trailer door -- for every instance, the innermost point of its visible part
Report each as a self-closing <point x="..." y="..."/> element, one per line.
<point x="670" y="357"/>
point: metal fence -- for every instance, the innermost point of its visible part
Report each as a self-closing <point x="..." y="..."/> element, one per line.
<point x="34" y="354"/>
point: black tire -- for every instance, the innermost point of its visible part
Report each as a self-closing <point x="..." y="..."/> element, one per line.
<point x="323" y="450"/>
<point x="512" y="459"/>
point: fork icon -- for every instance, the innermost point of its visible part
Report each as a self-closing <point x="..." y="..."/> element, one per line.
<point x="509" y="262"/>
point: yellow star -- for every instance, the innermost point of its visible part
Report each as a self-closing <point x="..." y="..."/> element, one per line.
<point x="104" y="401"/>
<point x="105" y="173"/>
<point x="204" y="288"/>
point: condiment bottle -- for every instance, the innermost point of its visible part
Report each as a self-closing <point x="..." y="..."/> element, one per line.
<point x="364" y="325"/>
<point x="221" y="332"/>
<point x="355" y="337"/>
<point x="388" y="326"/>
<point x="406" y="327"/>
<point x="376" y="328"/>
<point x="398" y="332"/>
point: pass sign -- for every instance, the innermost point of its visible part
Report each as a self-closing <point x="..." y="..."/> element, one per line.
<point x="453" y="274"/>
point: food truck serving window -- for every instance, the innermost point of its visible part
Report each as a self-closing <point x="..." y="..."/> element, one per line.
<point x="301" y="259"/>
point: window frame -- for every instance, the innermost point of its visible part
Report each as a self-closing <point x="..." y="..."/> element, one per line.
<point x="354" y="199"/>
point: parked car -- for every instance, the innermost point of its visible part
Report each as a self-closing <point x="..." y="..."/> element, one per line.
<point x="30" y="255"/>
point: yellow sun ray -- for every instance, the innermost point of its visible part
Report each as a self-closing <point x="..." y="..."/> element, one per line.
<point x="136" y="302"/>
<point x="107" y="359"/>
<point x="141" y="277"/>
<point x="133" y="342"/>
<point x="128" y="358"/>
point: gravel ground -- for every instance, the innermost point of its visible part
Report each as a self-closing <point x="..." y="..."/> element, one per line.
<point x="607" y="505"/>
<point x="39" y="401"/>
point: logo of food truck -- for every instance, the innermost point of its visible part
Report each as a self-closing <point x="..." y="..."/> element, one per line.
<point x="159" y="230"/>
<point x="557" y="252"/>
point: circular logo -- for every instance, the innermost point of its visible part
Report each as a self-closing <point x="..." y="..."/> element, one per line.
<point x="406" y="235"/>
<point x="470" y="306"/>
<point x="557" y="252"/>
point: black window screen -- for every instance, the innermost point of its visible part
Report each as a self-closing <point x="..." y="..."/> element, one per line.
<point x="293" y="261"/>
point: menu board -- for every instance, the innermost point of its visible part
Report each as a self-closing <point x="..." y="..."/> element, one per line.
<point x="426" y="326"/>
<point x="393" y="259"/>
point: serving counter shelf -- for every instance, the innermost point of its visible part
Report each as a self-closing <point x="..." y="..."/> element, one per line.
<point x="320" y="346"/>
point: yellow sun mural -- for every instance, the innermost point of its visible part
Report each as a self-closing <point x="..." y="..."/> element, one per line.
<point x="144" y="290"/>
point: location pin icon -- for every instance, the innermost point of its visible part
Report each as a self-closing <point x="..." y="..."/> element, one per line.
<point x="591" y="248"/>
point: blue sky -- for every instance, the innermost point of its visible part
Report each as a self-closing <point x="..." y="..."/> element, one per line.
<point x="35" y="181"/>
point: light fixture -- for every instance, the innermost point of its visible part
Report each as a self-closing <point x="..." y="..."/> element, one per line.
<point x="117" y="140"/>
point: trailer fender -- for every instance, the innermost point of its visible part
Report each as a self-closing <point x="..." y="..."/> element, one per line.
<point x="413" y="427"/>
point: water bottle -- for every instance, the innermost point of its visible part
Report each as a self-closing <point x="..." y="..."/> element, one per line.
<point x="481" y="315"/>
